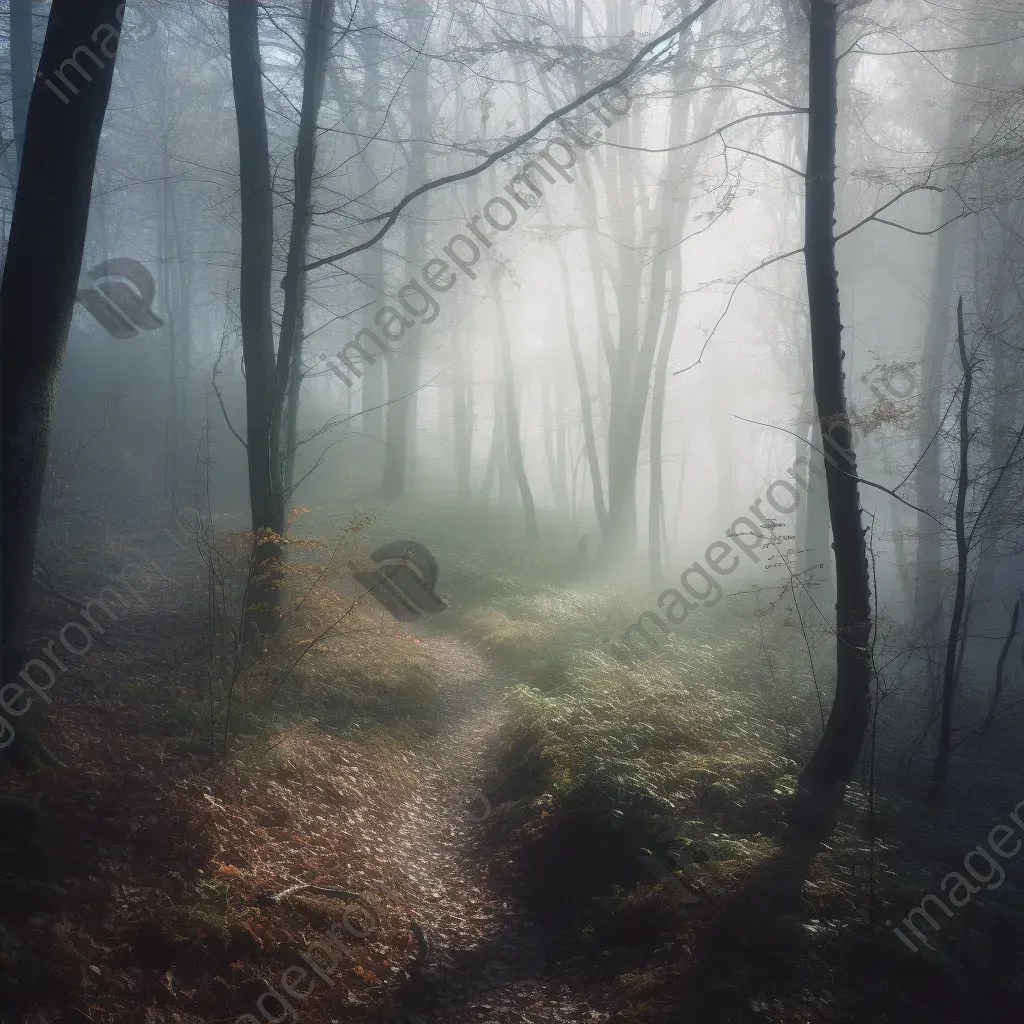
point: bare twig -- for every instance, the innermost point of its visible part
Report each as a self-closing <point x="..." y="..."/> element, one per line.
<point x="391" y="218"/>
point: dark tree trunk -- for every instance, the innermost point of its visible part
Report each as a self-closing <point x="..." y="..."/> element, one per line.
<point x="40" y="281"/>
<point x="462" y="405"/>
<point x="495" y="453"/>
<point x="561" y="439"/>
<point x="928" y="475"/>
<point x="291" y="433"/>
<point x="951" y="668"/>
<point x="257" y="242"/>
<point x="549" y="439"/>
<point x="1004" y="651"/>
<point x="835" y="759"/>
<point x="513" y="442"/>
<point x="172" y="434"/>
<point x="656" y="510"/>
<point x="289" y="350"/>
<point x="586" y="410"/>
<point x="508" y="496"/>
<point x="184" y="291"/>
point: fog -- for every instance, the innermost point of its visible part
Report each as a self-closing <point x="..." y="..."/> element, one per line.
<point x="603" y="414"/>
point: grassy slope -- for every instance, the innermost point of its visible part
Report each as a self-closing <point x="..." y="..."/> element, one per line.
<point x="704" y="739"/>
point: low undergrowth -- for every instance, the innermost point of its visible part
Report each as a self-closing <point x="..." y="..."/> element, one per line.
<point x="336" y="658"/>
<point x="199" y="779"/>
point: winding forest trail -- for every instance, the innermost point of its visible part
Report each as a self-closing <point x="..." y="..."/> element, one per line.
<point x="489" y="959"/>
<point x="171" y="850"/>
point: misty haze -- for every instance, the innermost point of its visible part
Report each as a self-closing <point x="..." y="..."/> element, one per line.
<point x="512" y="512"/>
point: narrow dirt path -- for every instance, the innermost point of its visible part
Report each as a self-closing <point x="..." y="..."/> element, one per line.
<point x="488" y="960"/>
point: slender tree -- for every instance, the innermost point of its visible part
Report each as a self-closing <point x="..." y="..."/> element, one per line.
<point x="289" y="349"/>
<point x="266" y="499"/>
<point x="950" y="669"/>
<point x="513" y="439"/>
<point x="835" y="758"/>
<point x="928" y="589"/>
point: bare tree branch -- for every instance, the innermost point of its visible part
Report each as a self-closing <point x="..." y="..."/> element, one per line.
<point x="390" y="219"/>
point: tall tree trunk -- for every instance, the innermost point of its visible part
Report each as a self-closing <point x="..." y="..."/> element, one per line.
<point x="561" y="439"/>
<point x="172" y="432"/>
<point x="833" y="762"/>
<point x="550" y="442"/>
<point x="1004" y="651"/>
<point x="37" y="296"/>
<point x="462" y="404"/>
<point x="929" y="581"/>
<point x="266" y="499"/>
<point x="547" y="436"/>
<point x="813" y="540"/>
<point x="928" y="597"/>
<point x="589" y="193"/>
<point x="513" y="442"/>
<point x="1004" y="404"/>
<point x="596" y="261"/>
<point x="184" y="290"/>
<point x="291" y="425"/>
<point x="508" y="496"/>
<point x="950" y="671"/>
<point x="656" y="507"/>
<point x="496" y="450"/>
<point x="664" y="224"/>
<point x="627" y="209"/>
<point x="900" y="549"/>
<point x="289" y="349"/>
<point x="586" y="412"/>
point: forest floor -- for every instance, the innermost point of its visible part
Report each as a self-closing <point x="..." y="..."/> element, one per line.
<point x="153" y="897"/>
<point x="122" y="925"/>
